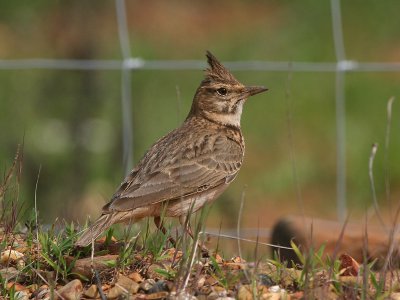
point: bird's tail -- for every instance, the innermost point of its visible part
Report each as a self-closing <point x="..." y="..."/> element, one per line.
<point x="97" y="228"/>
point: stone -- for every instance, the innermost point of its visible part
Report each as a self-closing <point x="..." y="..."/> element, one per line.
<point x="211" y="281"/>
<point x="159" y="295"/>
<point x="322" y="292"/>
<point x="100" y="263"/>
<point x="200" y="282"/>
<point x="71" y="291"/>
<point x="159" y="286"/>
<point x="244" y="293"/>
<point x="265" y="280"/>
<point x="123" y="287"/>
<point x="136" y="277"/>
<point x="42" y="293"/>
<point x="9" y="273"/>
<point x="128" y="284"/>
<point x="220" y="291"/>
<point x="217" y="293"/>
<point x="395" y="296"/>
<point x="115" y="292"/>
<point x="21" y="295"/>
<point x="184" y="295"/>
<point x="147" y="284"/>
<point x="92" y="292"/>
<point x="212" y="296"/>
<point x="272" y="296"/>
<point x="10" y="256"/>
<point x="275" y="289"/>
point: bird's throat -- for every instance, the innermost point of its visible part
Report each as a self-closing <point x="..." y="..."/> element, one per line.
<point x="225" y="119"/>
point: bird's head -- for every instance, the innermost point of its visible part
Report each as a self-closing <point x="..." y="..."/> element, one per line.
<point x="220" y="96"/>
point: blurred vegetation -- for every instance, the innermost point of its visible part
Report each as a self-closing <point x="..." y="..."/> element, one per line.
<point x="71" y="120"/>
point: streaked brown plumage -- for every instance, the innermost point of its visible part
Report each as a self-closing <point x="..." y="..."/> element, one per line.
<point x="190" y="166"/>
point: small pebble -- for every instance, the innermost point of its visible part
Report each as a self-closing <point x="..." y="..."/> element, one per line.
<point x="275" y="289"/>
<point x="136" y="277"/>
<point x="21" y="295"/>
<point x="41" y="293"/>
<point x="9" y="273"/>
<point x="184" y="296"/>
<point x="92" y="292"/>
<point x="159" y="286"/>
<point x="128" y="284"/>
<point x="244" y="293"/>
<point x="159" y="295"/>
<point x="10" y="255"/>
<point x="265" y="280"/>
<point x="72" y="290"/>
<point x="147" y="284"/>
<point x="201" y="281"/>
<point x="116" y="292"/>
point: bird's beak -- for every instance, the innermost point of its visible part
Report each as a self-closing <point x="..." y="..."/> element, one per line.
<point x="254" y="90"/>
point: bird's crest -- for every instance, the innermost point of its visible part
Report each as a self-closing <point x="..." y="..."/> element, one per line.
<point x="217" y="72"/>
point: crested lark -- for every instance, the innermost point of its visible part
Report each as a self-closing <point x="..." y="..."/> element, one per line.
<point x="190" y="166"/>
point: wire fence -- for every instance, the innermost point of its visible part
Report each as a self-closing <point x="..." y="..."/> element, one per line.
<point x="129" y="63"/>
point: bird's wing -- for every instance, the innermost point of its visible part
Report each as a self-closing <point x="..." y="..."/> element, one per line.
<point x="182" y="172"/>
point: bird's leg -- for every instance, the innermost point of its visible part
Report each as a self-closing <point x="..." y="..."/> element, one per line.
<point x="160" y="226"/>
<point x="188" y="229"/>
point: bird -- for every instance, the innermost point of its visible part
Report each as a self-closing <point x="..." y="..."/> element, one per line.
<point x="189" y="167"/>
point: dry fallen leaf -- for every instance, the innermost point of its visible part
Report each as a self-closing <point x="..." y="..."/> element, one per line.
<point x="348" y="265"/>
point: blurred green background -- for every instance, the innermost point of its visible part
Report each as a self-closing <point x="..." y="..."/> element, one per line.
<point x="71" y="120"/>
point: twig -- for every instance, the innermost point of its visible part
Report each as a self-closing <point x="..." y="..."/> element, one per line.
<point x="218" y="235"/>
<point x="307" y="263"/>
<point x="365" y="265"/>
<point x="371" y="178"/>
<point x="337" y="246"/>
<point x="257" y="261"/>
<point x="193" y="255"/>
<point x="36" y="211"/>
<point x="8" y="177"/>
<point x="238" y="229"/>
<point x="191" y="262"/>
<point x="391" y="240"/>
<point x="92" y="253"/>
<point x="98" y="284"/>
<point x="387" y="141"/>
<point x="242" y="239"/>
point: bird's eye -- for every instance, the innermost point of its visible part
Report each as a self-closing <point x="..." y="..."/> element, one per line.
<point x="222" y="91"/>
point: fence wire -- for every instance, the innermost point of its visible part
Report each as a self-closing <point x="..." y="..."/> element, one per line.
<point x="130" y="63"/>
<point x="137" y="63"/>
